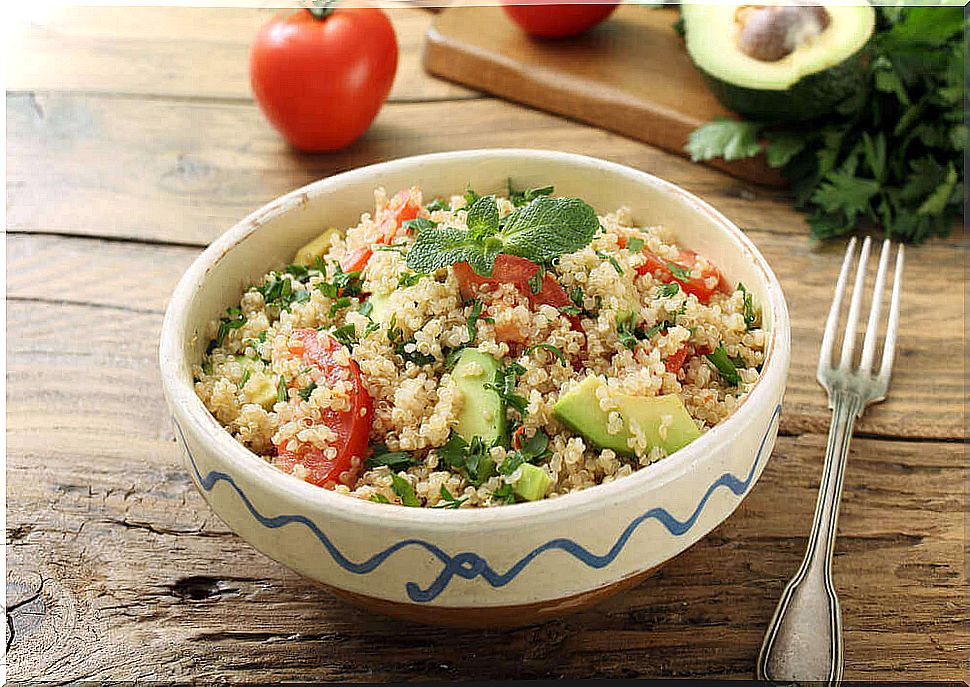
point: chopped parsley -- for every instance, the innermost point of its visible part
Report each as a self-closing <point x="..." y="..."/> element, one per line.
<point x="247" y="373"/>
<point x="365" y="308"/>
<point x="437" y="204"/>
<point x="347" y="335"/>
<point x="504" y="494"/>
<point x="668" y="290"/>
<point x="233" y="319"/>
<point x="341" y="284"/>
<point x="725" y="366"/>
<point x="534" y="450"/>
<point x="634" y="244"/>
<point x="535" y="281"/>
<point x="555" y="350"/>
<point x="616" y="265"/>
<point x="750" y="317"/>
<point x="306" y="391"/>
<point x="406" y="279"/>
<point x="339" y="304"/>
<point x="447" y="500"/>
<point x="472" y="459"/>
<point x="504" y="385"/>
<point x="404" y="490"/>
<point x="392" y="459"/>
<point x="576" y="296"/>
<point x="681" y="273"/>
<point x="418" y="224"/>
<point x="472" y="320"/>
<point x="281" y="394"/>
<point x="378" y="498"/>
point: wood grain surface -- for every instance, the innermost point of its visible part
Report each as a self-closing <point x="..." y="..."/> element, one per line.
<point x="631" y="75"/>
<point x="117" y="570"/>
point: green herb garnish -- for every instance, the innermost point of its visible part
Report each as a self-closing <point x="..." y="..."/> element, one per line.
<point x="404" y="490"/>
<point x="535" y="281"/>
<point x="668" y="290"/>
<point x="281" y="394"/>
<point x="724" y="366"/>
<point x="347" y="335"/>
<point x="247" y="373"/>
<point x="540" y="231"/>
<point x="406" y="279"/>
<point x="392" y="459"/>
<point x="306" y="391"/>
<point x="473" y="459"/>
<point x="555" y="350"/>
<point x="504" y="494"/>
<point x="524" y="197"/>
<point x="634" y="244"/>
<point x="616" y="265"/>
<point x="472" y="320"/>
<point x="504" y="385"/>
<point x="418" y="224"/>
<point x="892" y="157"/>
<point x="378" y="498"/>
<point x="449" y="500"/>
<point x="679" y="272"/>
<point x="750" y="317"/>
<point x="365" y="308"/>
<point x="437" y="204"/>
<point x="233" y="319"/>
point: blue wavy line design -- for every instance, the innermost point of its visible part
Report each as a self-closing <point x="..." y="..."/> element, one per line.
<point x="469" y="565"/>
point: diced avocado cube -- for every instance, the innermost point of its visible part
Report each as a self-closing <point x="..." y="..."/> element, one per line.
<point x="260" y="389"/>
<point x="532" y="482"/>
<point x="482" y="410"/>
<point x="317" y="248"/>
<point x="663" y="419"/>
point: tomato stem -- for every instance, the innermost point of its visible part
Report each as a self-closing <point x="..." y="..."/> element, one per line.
<point x="322" y="8"/>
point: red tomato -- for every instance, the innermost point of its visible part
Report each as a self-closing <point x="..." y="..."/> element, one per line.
<point x="547" y="19"/>
<point x="321" y="82"/>
<point x="352" y="426"/>
<point x="511" y="269"/>
<point x="398" y="211"/>
<point x="676" y="361"/>
<point x="696" y="285"/>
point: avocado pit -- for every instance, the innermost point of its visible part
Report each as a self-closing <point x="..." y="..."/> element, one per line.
<point x="771" y="32"/>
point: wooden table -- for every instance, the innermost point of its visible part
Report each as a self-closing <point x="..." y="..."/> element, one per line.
<point x="132" y="141"/>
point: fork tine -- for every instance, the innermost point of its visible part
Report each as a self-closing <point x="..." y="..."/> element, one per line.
<point x="852" y="320"/>
<point x="832" y="322"/>
<point x="869" y="346"/>
<point x="889" y="348"/>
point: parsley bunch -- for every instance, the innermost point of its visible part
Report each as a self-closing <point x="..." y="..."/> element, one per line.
<point x="540" y="230"/>
<point x="896" y="160"/>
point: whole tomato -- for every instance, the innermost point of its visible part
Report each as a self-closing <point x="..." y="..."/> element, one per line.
<point x="547" y="19"/>
<point x="320" y="76"/>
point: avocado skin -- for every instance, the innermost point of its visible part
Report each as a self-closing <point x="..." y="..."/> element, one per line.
<point x="843" y="88"/>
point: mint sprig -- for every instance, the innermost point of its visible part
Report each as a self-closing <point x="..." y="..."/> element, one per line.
<point x="543" y="229"/>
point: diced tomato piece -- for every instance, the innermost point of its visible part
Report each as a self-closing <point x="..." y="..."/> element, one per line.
<point x="511" y="269"/>
<point x="352" y="426"/>
<point x="517" y="437"/>
<point x="676" y="361"/>
<point x="686" y="260"/>
<point x="356" y="260"/>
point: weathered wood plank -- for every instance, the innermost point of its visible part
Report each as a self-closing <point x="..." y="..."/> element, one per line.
<point x="140" y="581"/>
<point x="926" y="400"/>
<point x="195" y="52"/>
<point x="185" y="172"/>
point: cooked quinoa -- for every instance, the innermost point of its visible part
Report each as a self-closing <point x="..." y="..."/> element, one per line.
<point x="389" y="337"/>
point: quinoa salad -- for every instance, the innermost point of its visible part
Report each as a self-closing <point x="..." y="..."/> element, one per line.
<point x="477" y="351"/>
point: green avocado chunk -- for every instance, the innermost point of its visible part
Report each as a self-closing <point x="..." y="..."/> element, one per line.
<point x="482" y="410"/>
<point x="783" y="62"/>
<point x="579" y="409"/>
<point x="532" y="482"/>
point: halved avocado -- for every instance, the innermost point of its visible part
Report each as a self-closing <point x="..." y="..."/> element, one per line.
<point x="782" y="61"/>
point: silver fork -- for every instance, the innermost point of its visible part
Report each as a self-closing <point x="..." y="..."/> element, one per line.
<point x="804" y="639"/>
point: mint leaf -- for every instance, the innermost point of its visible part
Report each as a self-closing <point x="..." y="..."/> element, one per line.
<point x="726" y="138"/>
<point x="443" y="247"/>
<point x="482" y="218"/>
<point x="549" y="227"/>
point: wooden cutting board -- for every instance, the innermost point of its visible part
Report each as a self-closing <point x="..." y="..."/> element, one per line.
<point x="630" y="75"/>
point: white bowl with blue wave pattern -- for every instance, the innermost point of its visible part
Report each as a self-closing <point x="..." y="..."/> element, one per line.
<point x="513" y="564"/>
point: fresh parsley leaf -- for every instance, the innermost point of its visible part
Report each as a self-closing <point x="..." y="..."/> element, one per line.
<point x="504" y="384"/>
<point x="392" y="459"/>
<point x="406" y="279"/>
<point x="576" y="296"/>
<point x="750" y="317"/>
<point x="471" y="322"/>
<point x="616" y="265"/>
<point x="549" y="347"/>
<point x="634" y="244"/>
<point x="281" y="394"/>
<point x="504" y="494"/>
<point x="437" y="204"/>
<point x="307" y="391"/>
<point x="535" y="281"/>
<point x="726" y="138"/>
<point x="247" y="373"/>
<point x="724" y="366"/>
<point x="378" y="498"/>
<point x="472" y="459"/>
<point x="447" y="500"/>
<point x="679" y="272"/>
<point x="233" y="319"/>
<point x="668" y="290"/>
<point x="404" y="490"/>
<point x="347" y="335"/>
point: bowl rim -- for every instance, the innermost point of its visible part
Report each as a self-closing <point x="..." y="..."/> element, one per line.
<point x="181" y="393"/>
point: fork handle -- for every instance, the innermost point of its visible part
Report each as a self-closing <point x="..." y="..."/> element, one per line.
<point x="804" y="640"/>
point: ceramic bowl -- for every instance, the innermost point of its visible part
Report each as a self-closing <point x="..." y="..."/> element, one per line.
<point x="515" y="564"/>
